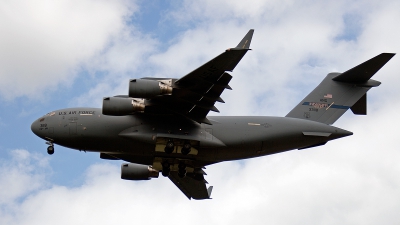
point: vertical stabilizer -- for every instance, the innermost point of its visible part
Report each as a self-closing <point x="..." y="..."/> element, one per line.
<point x="339" y="92"/>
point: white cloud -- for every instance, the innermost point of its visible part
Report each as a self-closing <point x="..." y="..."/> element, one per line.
<point x="44" y="42"/>
<point x="21" y="175"/>
<point x="347" y="181"/>
<point x="125" y="58"/>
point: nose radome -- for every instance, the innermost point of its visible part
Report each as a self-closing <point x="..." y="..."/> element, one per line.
<point x="35" y="127"/>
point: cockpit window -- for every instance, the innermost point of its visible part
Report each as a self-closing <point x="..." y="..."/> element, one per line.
<point x="51" y="114"/>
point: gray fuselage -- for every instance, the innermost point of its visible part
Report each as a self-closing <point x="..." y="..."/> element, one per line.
<point x="229" y="138"/>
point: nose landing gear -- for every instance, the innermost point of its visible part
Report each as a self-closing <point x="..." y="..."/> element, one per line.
<point x="50" y="149"/>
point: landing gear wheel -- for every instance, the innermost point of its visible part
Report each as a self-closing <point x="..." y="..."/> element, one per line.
<point x="166" y="169"/>
<point x="169" y="147"/>
<point x="50" y="150"/>
<point x="186" y="148"/>
<point x="181" y="170"/>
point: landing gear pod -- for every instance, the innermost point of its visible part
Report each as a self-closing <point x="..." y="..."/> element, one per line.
<point x="132" y="171"/>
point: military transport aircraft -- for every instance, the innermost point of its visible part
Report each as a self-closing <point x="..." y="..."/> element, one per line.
<point x="162" y="124"/>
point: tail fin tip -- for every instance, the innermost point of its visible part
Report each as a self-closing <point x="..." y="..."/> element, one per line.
<point x="245" y="42"/>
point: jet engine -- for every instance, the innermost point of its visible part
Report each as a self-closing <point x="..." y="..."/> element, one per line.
<point x="118" y="106"/>
<point x="143" y="88"/>
<point x="132" y="171"/>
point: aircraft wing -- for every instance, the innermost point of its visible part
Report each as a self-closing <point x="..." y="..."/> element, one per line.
<point x="192" y="185"/>
<point x="195" y="94"/>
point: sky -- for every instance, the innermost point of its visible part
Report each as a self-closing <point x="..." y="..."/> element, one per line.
<point x="72" y="53"/>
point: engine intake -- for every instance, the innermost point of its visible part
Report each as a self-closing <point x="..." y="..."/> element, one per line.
<point x="142" y="88"/>
<point x="116" y="106"/>
<point x="132" y="171"/>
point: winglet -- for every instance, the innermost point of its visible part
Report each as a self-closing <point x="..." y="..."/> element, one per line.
<point x="363" y="72"/>
<point x="245" y="43"/>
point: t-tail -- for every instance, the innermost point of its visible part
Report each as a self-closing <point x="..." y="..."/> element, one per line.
<point x="339" y="92"/>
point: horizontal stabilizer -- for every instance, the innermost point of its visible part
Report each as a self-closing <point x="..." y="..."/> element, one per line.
<point x="363" y="72"/>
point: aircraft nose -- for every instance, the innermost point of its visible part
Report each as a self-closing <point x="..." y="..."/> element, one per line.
<point x="35" y="127"/>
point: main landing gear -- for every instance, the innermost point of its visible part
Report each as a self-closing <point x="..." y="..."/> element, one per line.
<point x="186" y="148"/>
<point x="166" y="169"/>
<point x="170" y="146"/>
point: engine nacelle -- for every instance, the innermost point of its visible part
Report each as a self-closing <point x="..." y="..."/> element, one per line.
<point x="116" y="106"/>
<point x="142" y="88"/>
<point x="132" y="171"/>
